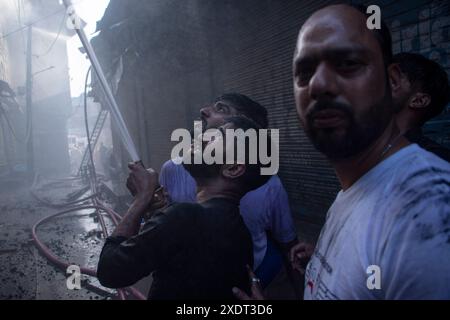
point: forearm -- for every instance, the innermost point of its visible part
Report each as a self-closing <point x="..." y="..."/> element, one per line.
<point x="131" y="222"/>
<point x="295" y="278"/>
<point x="114" y="268"/>
<point x="285" y="249"/>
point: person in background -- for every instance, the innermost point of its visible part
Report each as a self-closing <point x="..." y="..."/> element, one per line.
<point x="423" y="94"/>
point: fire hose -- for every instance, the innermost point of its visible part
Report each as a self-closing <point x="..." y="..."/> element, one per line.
<point x="64" y="265"/>
<point x="72" y="207"/>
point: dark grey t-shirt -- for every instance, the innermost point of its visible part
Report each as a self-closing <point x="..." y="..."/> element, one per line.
<point x="195" y="251"/>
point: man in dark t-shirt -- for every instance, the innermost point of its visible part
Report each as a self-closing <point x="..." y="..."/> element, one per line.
<point x="194" y="251"/>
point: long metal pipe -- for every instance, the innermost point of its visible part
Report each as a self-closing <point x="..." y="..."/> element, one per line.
<point x="114" y="108"/>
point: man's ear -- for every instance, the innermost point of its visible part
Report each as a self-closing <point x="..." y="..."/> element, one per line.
<point x="233" y="171"/>
<point x="420" y="101"/>
<point x="395" y="77"/>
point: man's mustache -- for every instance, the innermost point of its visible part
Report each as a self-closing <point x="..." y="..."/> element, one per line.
<point x="323" y="105"/>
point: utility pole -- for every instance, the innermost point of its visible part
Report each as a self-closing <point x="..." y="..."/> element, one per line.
<point x="29" y="95"/>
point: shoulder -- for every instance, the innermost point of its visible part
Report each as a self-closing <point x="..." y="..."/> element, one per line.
<point x="171" y="165"/>
<point x="177" y="214"/>
<point x="275" y="189"/>
<point x="413" y="186"/>
<point x="172" y="172"/>
<point x="275" y="181"/>
<point x="180" y="209"/>
<point x="273" y="185"/>
<point x="430" y="145"/>
<point x="422" y="168"/>
<point x="420" y="195"/>
<point x="266" y="194"/>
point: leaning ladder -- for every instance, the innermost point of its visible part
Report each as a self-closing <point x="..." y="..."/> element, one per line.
<point x="101" y="119"/>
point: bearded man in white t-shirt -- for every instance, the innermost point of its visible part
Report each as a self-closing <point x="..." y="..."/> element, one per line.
<point x="387" y="234"/>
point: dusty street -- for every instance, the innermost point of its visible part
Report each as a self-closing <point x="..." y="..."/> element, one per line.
<point x="74" y="237"/>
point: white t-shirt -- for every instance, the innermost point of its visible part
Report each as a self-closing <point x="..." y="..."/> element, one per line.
<point x="388" y="235"/>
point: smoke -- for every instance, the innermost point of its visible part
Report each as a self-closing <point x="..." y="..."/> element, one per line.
<point x="46" y="34"/>
<point x="8" y="6"/>
<point x="18" y="13"/>
<point x="9" y="13"/>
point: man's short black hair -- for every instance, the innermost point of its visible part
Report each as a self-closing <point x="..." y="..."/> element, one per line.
<point x="247" y="107"/>
<point x="429" y="77"/>
<point x="252" y="178"/>
<point x="383" y="35"/>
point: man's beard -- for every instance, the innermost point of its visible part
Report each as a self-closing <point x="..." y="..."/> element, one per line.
<point x="202" y="171"/>
<point x="358" y="134"/>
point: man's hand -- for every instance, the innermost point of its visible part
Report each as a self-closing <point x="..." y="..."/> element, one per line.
<point x="300" y="255"/>
<point x="255" y="287"/>
<point x="159" y="202"/>
<point x="142" y="182"/>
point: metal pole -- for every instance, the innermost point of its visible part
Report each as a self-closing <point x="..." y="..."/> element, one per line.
<point x="114" y="108"/>
<point x="29" y="101"/>
<point x="6" y="141"/>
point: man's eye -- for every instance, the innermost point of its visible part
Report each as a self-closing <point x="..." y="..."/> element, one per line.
<point x="348" y="65"/>
<point x="221" y="108"/>
<point x="302" y="77"/>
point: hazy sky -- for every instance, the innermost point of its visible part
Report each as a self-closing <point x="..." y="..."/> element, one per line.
<point x="90" y="11"/>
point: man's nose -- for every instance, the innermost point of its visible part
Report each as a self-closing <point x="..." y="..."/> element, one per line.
<point x="323" y="83"/>
<point x="205" y="112"/>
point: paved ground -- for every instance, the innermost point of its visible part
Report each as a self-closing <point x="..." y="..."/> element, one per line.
<point x="75" y="237"/>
